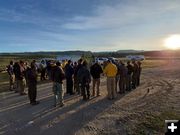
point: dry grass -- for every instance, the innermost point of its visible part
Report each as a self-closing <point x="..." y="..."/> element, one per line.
<point x="154" y="63"/>
<point x="154" y="124"/>
<point x="4" y="84"/>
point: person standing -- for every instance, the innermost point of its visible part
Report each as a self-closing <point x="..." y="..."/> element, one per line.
<point x="76" y="83"/>
<point x="123" y="75"/>
<point x="49" y="68"/>
<point x="139" y="73"/>
<point x="135" y="74"/>
<point x="31" y="74"/>
<point x="15" y="70"/>
<point x="118" y="65"/>
<point x="111" y="71"/>
<point x="58" y="76"/>
<point x="96" y="71"/>
<point x="10" y="71"/>
<point x="69" y="72"/>
<point x="43" y="70"/>
<point x="75" y="77"/>
<point x="21" y="78"/>
<point x="129" y="76"/>
<point x="84" y="79"/>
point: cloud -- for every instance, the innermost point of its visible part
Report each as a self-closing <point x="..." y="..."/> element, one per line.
<point x="31" y="16"/>
<point x="126" y="24"/>
<point x="111" y="17"/>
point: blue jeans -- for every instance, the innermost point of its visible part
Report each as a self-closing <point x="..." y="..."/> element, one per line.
<point x="58" y="93"/>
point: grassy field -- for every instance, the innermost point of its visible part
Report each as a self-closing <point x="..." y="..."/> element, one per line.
<point x="4" y="61"/>
<point x="154" y="63"/>
<point x="4" y="81"/>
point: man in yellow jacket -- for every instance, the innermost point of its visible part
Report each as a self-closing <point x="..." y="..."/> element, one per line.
<point x="111" y="70"/>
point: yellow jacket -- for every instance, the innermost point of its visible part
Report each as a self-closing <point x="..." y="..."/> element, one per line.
<point x="110" y="70"/>
<point x="64" y="64"/>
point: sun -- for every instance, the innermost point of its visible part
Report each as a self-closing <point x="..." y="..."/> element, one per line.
<point x="173" y="42"/>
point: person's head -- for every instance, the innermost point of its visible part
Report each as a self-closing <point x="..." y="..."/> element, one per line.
<point x="16" y="63"/>
<point x="75" y="63"/>
<point x="133" y="61"/>
<point x="121" y="63"/>
<point x="58" y="63"/>
<point x="96" y="62"/>
<point x="34" y="61"/>
<point x="69" y="62"/>
<point x="11" y="62"/>
<point x="128" y="63"/>
<point x="26" y="63"/>
<point x="80" y="61"/>
<point x="84" y="63"/>
<point x="33" y="65"/>
<point x="139" y="63"/>
<point x="109" y="61"/>
<point x="21" y="63"/>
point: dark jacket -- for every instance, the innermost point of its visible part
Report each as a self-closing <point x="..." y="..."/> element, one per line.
<point x="20" y="74"/>
<point x="139" y="69"/>
<point x="77" y="69"/>
<point x="83" y="75"/>
<point x="58" y="75"/>
<point x="69" y="71"/>
<point x="96" y="71"/>
<point x="31" y="76"/>
<point x="135" y="69"/>
<point x="123" y="71"/>
<point x="15" y="69"/>
<point x="130" y="69"/>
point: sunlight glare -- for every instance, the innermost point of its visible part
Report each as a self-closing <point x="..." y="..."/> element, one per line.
<point x="173" y="42"/>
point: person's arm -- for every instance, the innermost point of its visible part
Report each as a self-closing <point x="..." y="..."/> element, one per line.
<point x="89" y="76"/>
<point x="116" y="70"/>
<point x="8" y="70"/>
<point x="52" y="74"/>
<point x="62" y="74"/>
<point x="105" y="70"/>
<point x="101" y="70"/>
<point x="91" y="70"/>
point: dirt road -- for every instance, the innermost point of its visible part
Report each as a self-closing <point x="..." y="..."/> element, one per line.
<point x="159" y="92"/>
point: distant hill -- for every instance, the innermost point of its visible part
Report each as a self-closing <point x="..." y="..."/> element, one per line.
<point x="119" y="53"/>
<point x="49" y="53"/>
<point x="130" y="51"/>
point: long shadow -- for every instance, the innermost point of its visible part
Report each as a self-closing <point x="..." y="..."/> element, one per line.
<point x="75" y="121"/>
<point x="24" y="104"/>
<point x="30" y="113"/>
<point x="46" y="112"/>
<point x="7" y="93"/>
<point x="5" y="96"/>
<point x="68" y="120"/>
<point x="60" y="118"/>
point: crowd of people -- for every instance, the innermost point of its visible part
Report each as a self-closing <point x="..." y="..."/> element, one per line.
<point x="121" y="77"/>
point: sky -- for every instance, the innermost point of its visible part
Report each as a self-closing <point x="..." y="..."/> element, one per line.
<point x="93" y="25"/>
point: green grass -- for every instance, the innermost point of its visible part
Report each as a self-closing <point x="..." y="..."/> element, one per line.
<point x="4" y="77"/>
<point x="5" y="59"/>
<point x="4" y="81"/>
